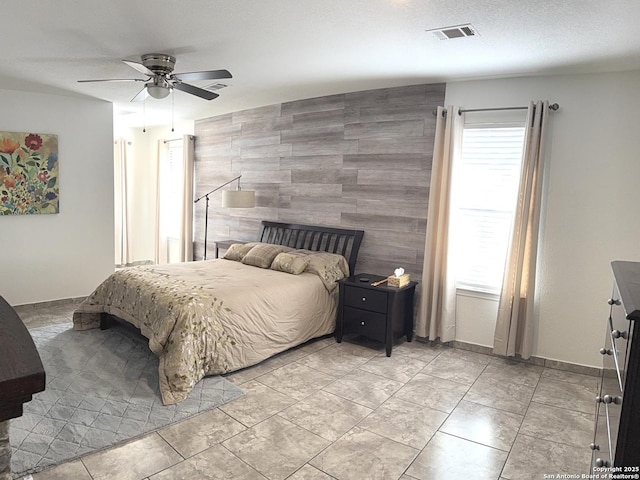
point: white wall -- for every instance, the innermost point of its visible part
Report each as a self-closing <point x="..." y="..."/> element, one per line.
<point x="591" y="215"/>
<point x="64" y="255"/>
<point x="144" y="155"/>
<point x="476" y="318"/>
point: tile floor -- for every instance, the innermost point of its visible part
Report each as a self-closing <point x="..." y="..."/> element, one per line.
<point x="346" y="411"/>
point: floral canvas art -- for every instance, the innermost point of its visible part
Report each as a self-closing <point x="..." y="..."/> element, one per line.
<point x="28" y="173"/>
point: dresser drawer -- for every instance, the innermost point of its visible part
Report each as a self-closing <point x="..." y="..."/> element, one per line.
<point x="619" y="336"/>
<point x="601" y="450"/>
<point x="608" y="408"/>
<point x="606" y="435"/>
<point x="366" y="299"/>
<point x="614" y="354"/>
<point x="361" y="322"/>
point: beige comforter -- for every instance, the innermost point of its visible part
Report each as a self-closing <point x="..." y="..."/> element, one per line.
<point x="212" y="317"/>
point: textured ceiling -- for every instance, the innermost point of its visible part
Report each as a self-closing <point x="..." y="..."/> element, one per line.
<point x="281" y="50"/>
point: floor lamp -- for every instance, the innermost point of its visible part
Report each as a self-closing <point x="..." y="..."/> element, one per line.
<point x="230" y="199"/>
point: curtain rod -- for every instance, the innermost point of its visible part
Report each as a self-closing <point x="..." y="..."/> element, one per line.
<point x="177" y="139"/>
<point x="553" y="106"/>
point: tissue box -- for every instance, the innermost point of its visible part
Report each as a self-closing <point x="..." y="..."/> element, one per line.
<point x="400" y="281"/>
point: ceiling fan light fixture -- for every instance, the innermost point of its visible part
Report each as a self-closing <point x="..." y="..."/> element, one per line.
<point x="158" y="67"/>
<point x="158" y="91"/>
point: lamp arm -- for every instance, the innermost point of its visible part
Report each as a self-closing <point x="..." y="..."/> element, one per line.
<point x="217" y="188"/>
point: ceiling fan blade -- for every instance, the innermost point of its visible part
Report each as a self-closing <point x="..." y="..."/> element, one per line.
<point x="139" y="67"/>
<point x="199" y="92"/>
<point x="205" y="75"/>
<point x="114" y="80"/>
<point x="141" y="95"/>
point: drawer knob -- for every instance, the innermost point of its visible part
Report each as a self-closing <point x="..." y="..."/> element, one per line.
<point x="613" y="301"/>
<point x="594" y="446"/>
<point x="602" y="463"/>
<point x="610" y="399"/>
<point x="606" y="351"/>
<point x="364" y="299"/>
<point x="361" y="323"/>
<point x="618" y="334"/>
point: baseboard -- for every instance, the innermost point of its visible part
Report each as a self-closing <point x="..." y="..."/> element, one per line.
<point x="540" y="361"/>
<point x="51" y="303"/>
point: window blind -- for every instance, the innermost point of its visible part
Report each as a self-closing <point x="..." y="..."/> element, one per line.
<point x="171" y="192"/>
<point x="484" y="189"/>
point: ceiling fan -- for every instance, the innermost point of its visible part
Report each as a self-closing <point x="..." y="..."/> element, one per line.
<point x="158" y="68"/>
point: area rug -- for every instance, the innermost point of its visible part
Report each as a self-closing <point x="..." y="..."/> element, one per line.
<point x="102" y="389"/>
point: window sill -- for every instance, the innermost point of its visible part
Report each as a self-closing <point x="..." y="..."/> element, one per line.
<point x="477" y="294"/>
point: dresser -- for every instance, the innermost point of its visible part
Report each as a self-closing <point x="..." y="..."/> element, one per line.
<point x="617" y="424"/>
<point x="21" y="375"/>
<point x="381" y="313"/>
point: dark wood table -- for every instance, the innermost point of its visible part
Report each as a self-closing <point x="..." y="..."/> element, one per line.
<point x="21" y="375"/>
<point x="224" y="244"/>
<point x="381" y="313"/>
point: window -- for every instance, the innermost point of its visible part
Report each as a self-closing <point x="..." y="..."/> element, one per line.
<point x="485" y="186"/>
<point x="170" y="195"/>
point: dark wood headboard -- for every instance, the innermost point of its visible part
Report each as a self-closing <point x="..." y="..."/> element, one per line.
<point x="316" y="238"/>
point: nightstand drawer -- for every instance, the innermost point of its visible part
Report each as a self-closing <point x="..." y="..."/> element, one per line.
<point x="366" y="299"/>
<point x="361" y="322"/>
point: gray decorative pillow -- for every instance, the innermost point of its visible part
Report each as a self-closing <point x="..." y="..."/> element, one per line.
<point x="237" y="251"/>
<point x="262" y="254"/>
<point x="320" y="260"/>
<point x="290" y="263"/>
<point x="330" y="267"/>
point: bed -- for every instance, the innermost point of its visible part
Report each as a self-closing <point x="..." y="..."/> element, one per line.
<point x="217" y="316"/>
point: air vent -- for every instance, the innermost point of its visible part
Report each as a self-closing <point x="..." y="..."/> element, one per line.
<point x="456" y="31"/>
<point x="216" y="86"/>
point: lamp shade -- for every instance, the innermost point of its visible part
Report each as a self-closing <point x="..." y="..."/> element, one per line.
<point x="238" y="198"/>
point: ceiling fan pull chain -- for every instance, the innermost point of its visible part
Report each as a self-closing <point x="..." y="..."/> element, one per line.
<point x="144" y="115"/>
<point x="173" y="107"/>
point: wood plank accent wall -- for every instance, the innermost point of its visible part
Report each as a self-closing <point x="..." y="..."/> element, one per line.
<point x="356" y="160"/>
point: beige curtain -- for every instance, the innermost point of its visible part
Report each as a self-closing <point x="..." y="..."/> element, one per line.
<point x="186" y="225"/>
<point x="514" y="326"/>
<point x="176" y="246"/>
<point x="161" y="252"/>
<point x="123" y="211"/>
<point x="437" y="307"/>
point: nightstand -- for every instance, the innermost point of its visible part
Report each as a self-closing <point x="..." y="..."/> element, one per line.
<point x="224" y="244"/>
<point x="380" y="313"/>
